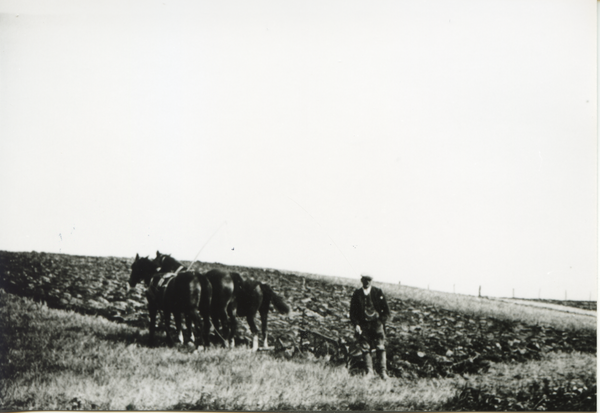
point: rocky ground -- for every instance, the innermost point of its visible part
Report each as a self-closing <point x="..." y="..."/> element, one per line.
<point x="423" y="340"/>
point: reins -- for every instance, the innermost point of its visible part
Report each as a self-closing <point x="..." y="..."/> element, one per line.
<point x="189" y="268"/>
<point x="216" y="330"/>
<point x="205" y="244"/>
<point x="192" y="264"/>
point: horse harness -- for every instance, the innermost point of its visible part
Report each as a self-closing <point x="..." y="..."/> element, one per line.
<point x="158" y="286"/>
<point x="162" y="258"/>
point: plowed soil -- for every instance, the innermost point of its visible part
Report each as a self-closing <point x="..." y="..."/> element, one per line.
<point x="423" y="340"/>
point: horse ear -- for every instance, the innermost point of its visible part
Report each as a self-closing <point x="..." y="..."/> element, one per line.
<point x="157" y="253"/>
<point x="137" y="257"/>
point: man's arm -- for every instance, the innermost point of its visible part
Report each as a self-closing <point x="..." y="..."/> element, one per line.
<point x="354" y="309"/>
<point x="354" y="313"/>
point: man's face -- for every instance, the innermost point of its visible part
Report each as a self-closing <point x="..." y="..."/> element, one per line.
<point x="366" y="283"/>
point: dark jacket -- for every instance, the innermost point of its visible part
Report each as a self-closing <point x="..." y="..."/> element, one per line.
<point x="357" y="305"/>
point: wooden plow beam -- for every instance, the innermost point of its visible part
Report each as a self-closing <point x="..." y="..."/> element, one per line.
<point x="322" y="345"/>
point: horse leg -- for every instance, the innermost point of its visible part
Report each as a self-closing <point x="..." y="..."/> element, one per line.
<point x="232" y="314"/>
<point x="263" y="318"/>
<point x="152" y="310"/>
<point x="167" y="314"/>
<point x="216" y="324"/>
<point x="177" y="316"/>
<point x="190" y="336"/>
<point x="216" y="317"/>
<point x="199" y="327"/>
<point x="254" y="330"/>
<point x="196" y="330"/>
<point x="232" y="332"/>
<point x="206" y="332"/>
<point x="226" y="330"/>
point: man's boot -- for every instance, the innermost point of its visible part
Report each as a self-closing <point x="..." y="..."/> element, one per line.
<point x="382" y="361"/>
<point x="369" y="363"/>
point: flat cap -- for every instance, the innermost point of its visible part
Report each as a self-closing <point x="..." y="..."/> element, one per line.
<point x="366" y="277"/>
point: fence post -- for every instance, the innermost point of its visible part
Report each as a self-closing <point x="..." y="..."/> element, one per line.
<point x="480" y="291"/>
<point x="513" y="293"/>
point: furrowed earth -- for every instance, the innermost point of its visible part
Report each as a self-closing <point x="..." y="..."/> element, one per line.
<point x="422" y="340"/>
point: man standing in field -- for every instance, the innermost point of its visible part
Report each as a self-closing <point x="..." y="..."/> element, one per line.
<point x="368" y="313"/>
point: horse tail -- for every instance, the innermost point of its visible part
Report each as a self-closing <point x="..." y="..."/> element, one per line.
<point x="195" y="290"/>
<point x="270" y="296"/>
<point x="206" y="294"/>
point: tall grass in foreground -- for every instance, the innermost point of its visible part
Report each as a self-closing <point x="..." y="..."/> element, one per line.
<point x="52" y="359"/>
<point x="477" y="306"/>
<point x="558" y="383"/>
<point x="57" y="360"/>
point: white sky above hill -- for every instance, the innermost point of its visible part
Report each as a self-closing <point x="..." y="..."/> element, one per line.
<point x="449" y="144"/>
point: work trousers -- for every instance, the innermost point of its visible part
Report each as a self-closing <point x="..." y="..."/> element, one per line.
<point x="372" y="336"/>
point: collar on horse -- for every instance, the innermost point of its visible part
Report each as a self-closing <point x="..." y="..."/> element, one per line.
<point x="181" y="267"/>
<point x="162" y="258"/>
<point x="165" y="280"/>
<point x="159" y="284"/>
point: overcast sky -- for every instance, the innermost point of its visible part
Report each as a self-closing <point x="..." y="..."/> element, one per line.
<point x="449" y="144"/>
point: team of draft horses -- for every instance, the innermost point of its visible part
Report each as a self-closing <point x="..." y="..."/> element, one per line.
<point x="218" y="297"/>
<point x="213" y="298"/>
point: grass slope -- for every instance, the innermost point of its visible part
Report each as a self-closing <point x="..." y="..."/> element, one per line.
<point x="445" y="351"/>
<point x="57" y="360"/>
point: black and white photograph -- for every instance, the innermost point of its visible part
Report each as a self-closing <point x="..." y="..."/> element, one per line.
<point x="298" y="205"/>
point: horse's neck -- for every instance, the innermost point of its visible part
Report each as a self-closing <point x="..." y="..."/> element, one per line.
<point x="170" y="264"/>
<point x="176" y="266"/>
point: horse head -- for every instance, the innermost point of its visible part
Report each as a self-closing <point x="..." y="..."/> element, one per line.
<point x="166" y="263"/>
<point x="142" y="269"/>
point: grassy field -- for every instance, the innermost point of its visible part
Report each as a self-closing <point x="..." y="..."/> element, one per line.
<point x="72" y="339"/>
<point x="56" y="360"/>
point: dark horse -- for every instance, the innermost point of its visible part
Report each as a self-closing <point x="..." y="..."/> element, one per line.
<point x="220" y="308"/>
<point x="250" y="297"/>
<point x="170" y="292"/>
